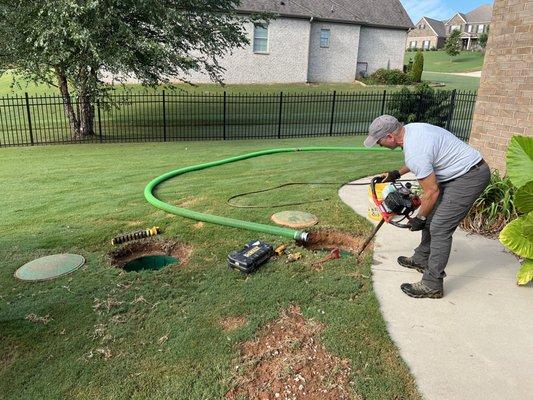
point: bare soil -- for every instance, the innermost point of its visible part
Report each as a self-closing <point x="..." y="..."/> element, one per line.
<point x="329" y="239"/>
<point x="150" y="247"/>
<point x="287" y="361"/>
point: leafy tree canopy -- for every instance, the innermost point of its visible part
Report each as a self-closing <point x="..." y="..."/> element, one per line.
<point x="453" y="43"/>
<point x="72" y="43"/>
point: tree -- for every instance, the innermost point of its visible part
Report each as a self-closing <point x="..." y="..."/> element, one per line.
<point x="70" y="44"/>
<point x="418" y="67"/>
<point x="453" y="44"/>
<point x="423" y="104"/>
<point x="482" y="40"/>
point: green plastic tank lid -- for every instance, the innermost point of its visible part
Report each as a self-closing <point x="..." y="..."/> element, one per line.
<point x="49" y="267"/>
<point x="294" y="219"/>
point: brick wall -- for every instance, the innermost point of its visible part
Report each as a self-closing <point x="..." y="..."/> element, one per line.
<point x="504" y="104"/>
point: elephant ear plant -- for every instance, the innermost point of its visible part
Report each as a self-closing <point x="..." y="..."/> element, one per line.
<point x="518" y="234"/>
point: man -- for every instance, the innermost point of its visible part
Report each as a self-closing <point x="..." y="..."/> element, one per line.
<point x="452" y="175"/>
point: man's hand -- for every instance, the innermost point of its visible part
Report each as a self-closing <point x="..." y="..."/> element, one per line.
<point x="391" y="176"/>
<point x="416" y="224"/>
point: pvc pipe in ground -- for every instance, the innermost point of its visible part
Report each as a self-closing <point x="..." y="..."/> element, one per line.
<point x="236" y="223"/>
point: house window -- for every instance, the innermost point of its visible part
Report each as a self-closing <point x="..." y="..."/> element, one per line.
<point x="412" y="44"/>
<point x="425" y="44"/>
<point x="324" y="37"/>
<point x="469" y="29"/>
<point x="260" y="38"/>
<point x="455" y="28"/>
<point x="480" y="28"/>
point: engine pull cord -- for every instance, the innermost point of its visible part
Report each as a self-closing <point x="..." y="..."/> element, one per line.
<point x="232" y="204"/>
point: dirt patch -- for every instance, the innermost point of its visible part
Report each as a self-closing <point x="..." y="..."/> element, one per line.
<point x="329" y="239"/>
<point x="150" y="247"/>
<point x="231" y="323"/>
<point x="199" y="225"/>
<point x="287" y="361"/>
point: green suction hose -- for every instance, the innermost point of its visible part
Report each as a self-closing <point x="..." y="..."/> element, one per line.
<point x="235" y="223"/>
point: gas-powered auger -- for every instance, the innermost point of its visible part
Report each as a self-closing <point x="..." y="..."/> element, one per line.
<point x="399" y="201"/>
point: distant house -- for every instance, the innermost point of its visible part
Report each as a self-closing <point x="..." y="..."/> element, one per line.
<point x="317" y="41"/>
<point x="429" y="33"/>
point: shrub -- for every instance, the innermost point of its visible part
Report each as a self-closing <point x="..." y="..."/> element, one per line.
<point x="433" y="48"/>
<point x="390" y="77"/>
<point x="517" y="235"/>
<point x="423" y="104"/>
<point x="418" y="67"/>
<point x="493" y="209"/>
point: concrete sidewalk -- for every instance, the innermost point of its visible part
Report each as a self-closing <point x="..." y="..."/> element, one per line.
<point x="477" y="341"/>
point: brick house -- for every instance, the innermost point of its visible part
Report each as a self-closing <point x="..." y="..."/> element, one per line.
<point x="317" y="41"/>
<point x="429" y="33"/>
<point x="504" y="104"/>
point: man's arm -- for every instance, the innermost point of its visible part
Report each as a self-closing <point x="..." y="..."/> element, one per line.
<point x="430" y="196"/>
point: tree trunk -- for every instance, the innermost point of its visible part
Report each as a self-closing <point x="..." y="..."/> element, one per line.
<point x="82" y="122"/>
<point x="67" y="104"/>
<point x="86" y="116"/>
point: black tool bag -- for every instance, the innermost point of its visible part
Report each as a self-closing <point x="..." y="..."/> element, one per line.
<point x="249" y="258"/>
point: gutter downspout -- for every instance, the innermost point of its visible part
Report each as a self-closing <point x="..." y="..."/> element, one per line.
<point x="309" y="47"/>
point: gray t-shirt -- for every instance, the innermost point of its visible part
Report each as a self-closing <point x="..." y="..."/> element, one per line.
<point x="429" y="148"/>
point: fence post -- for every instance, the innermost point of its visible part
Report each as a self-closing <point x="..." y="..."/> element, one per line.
<point x="225" y="111"/>
<point x="332" y="113"/>
<point x="280" y="111"/>
<point x="452" y="107"/>
<point x="164" y="119"/>
<point x="99" y="120"/>
<point x="419" y="108"/>
<point x="29" y="116"/>
<point x="383" y="102"/>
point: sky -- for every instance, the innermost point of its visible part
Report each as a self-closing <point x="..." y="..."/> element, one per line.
<point x="439" y="9"/>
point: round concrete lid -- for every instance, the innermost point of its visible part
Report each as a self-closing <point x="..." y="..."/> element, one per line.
<point x="49" y="267"/>
<point x="294" y="219"/>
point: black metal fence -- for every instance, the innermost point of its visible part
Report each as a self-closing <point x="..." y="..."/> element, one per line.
<point x="165" y="116"/>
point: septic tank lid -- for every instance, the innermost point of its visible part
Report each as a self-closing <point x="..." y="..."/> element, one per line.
<point x="49" y="267"/>
<point x="294" y="219"/>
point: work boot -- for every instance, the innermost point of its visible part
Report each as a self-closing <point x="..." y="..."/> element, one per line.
<point x="408" y="262"/>
<point x="420" y="290"/>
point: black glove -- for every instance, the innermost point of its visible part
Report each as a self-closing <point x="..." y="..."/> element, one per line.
<point x="416" y="224"/>
<point x="392" y="176"/>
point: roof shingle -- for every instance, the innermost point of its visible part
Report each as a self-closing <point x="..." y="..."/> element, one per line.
<point x="387" y="13"/>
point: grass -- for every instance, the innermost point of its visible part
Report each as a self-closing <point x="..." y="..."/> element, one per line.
<point x="439" y="61"/>
<point x="463" y="83"/>
<point x="76" y="198"/>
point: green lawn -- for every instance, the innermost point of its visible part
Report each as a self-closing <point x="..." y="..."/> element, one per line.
<point x="463" y="83"/>
<point x="75" y="198"/>
<point x="439" y="61"/>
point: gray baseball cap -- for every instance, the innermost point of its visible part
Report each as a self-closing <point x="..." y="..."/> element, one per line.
<point x="381" y="127"/>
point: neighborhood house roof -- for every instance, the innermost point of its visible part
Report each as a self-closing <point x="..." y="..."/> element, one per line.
<point x="477" y="15"/>
<point x="437" y="26"/>
<point x="481" y="14"/>
<point x="386" y="13"/>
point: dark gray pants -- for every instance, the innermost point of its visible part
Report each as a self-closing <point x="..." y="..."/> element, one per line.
<point x="455" y="199"/>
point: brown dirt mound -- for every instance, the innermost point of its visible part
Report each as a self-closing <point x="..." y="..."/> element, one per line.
<point x="287" y="361"/>
<point x="150" y="247"/>
<point x="329" y="239"/>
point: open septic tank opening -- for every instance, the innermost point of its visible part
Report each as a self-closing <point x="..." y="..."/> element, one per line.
<point x="150" y="255"/>
<point x="152" y="263"/>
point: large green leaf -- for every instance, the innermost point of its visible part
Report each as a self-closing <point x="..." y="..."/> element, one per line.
<point x="524" y="198"/>
<point x="527" y="228"/>
<point x="520" y="160"/>
<point x="516" y="239"/>
<point x="525" y="274"/>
